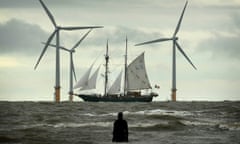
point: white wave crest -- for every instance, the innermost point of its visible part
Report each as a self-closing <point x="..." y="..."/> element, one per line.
<point x="145" y="112"/>
<point x="230" y="126"/>
<point x="217" y="123"/>
<point x="74" y="125"/>
<point x="159" y="112"/>
<point x="99" y="115"/>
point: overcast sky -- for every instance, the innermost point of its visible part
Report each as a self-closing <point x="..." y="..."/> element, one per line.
<point x="209" y="34"/>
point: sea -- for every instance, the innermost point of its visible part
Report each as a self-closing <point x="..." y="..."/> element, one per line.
<point x="92" y="123"/>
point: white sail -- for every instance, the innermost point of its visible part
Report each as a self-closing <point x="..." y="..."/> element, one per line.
<point x="116" y="87"/>
<point x="83" y="82"/>
<point x="136" y="74"/>
<point x="92" y="82"/>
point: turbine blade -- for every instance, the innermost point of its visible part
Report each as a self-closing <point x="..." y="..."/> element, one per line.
<point x="180" y="49"/>
<point x="77" y="44"/>
<point x="48" y="13"/>
<point x="61" y="47"/>
<point x="73" y="70"/>
<point x="79" y="28"/>
<point x="45" y="48"/>
<point x="180" y="20"/>
<point x="154" y="41"/>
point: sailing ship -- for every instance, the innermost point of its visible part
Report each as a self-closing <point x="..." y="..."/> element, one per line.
<point x="135" y="81"/>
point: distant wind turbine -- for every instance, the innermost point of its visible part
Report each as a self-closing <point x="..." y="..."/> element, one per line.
<point x="57" y="32"/>
<point x="174" y="39"/>
<point x="72" y="68"/>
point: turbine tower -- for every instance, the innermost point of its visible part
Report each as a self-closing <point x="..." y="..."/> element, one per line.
<point x="72" y="68"/>
<point x="174" y="40"/>
<point x="57" y="33"/>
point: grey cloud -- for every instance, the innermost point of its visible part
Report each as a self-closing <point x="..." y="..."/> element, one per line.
<point x="96" y="4"/>
<point x="222" y="47"/>
<point x="135" y="35"/>
<point x="119" y="4"/>
<point x="118" y="35"/>
<point x="71" y="3"/>
<point x="17" y="36"/>
<point x="30" y="3"/>
<point x="236" y="20"/>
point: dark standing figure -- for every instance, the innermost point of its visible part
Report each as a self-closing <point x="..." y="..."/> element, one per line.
<point x="120" y="129"/>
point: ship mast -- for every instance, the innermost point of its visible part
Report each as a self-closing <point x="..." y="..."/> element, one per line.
<point x="106" y="70"/>
<point x="125" y="74"/>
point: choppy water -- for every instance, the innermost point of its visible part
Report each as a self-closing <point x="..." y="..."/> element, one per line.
<point x="91" y="123"/>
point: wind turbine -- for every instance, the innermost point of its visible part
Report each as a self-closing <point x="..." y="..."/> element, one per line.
<point x="72" y="68"/>
<point x="174" y="39"/>
<point x="57" y="33"/>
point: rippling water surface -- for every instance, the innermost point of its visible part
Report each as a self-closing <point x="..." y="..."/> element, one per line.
<point x="91" y="123"/>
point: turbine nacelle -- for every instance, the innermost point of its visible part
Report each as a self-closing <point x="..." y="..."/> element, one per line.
<point x="57" y="28"/>
<point x="72" y="51"/>
<point x="175" y="38"/>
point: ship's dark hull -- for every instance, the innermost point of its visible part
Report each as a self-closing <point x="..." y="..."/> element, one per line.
<point x="96" y="98"/>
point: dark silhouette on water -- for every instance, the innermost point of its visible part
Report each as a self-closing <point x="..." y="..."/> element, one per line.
<point x="120" y="129"/>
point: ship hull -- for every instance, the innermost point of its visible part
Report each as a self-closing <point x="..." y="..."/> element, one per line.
<point x="96" y="98"/>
